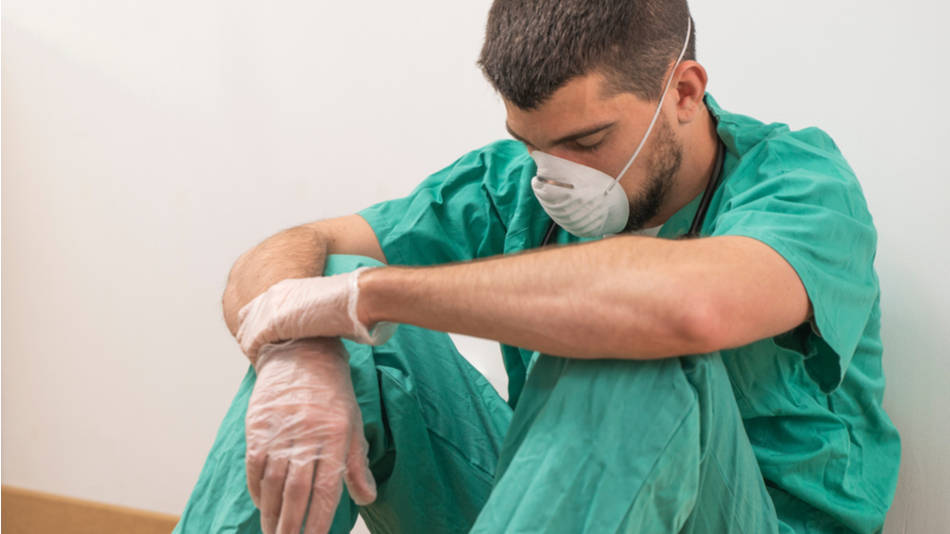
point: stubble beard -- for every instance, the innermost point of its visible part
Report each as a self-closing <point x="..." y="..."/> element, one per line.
<point x="664" y="163"/>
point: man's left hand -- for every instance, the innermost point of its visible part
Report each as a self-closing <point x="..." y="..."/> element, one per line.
<point x="307" y="307"/>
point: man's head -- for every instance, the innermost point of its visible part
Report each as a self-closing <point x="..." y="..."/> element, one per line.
<point x="533" y="47"/>
<point x="581" y="80"/>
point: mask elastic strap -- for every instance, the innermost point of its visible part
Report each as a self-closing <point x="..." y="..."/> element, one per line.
<point x="656" y="114"/>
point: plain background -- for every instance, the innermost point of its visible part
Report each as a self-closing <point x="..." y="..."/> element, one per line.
<point x="147" y="144"/>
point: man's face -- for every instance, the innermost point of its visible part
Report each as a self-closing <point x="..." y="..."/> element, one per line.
<point x="577" y="123"/>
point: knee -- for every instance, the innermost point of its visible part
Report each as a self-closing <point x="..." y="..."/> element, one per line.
<point x="344" y="263"/>
<point x="604" y="387"/>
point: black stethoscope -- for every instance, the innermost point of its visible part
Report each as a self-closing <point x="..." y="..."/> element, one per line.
<point x="703" y="202"/>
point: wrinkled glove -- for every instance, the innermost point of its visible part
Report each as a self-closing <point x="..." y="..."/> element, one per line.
<point x="323" y="306"/>
<point x="303" y="417"/>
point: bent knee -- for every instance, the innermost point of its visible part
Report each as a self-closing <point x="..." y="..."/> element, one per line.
<point x="344" y="263"/>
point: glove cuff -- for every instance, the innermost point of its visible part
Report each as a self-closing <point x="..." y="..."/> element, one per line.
<point x="380" y="332"/>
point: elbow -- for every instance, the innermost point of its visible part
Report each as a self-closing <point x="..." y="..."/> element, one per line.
<point x="228" y="304"/>
<point x="684" y="326"/>
<point x="230" y="299"/>
<point x="700" y="326"/>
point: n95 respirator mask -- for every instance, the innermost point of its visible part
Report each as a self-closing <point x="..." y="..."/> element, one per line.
<point x="579" y="198"/>
<point x="585" y="201"/>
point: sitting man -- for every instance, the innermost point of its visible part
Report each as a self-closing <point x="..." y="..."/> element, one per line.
<point x="689" y="320"/>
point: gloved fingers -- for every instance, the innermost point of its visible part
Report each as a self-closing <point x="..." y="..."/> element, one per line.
<point x="254" y="465"/>
<point x="253" y="335"/>
<point x="261" y="319"/>
<point x="249" y="314"/>
<point x="272" y="489"/>
<point x="307" y="307"/>
<point x="243" y="335"/>
<point x="259" y="428"/>
<point x="359" y="479"/>
<point x="323" y="505"/>
<point x="327" y="487"/>
<point x="296" y="495"/>
<point x="293" y="308"/>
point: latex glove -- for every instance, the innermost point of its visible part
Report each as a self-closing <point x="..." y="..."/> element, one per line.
<point x="303" y="417"/>
<point x="307" y="307"/>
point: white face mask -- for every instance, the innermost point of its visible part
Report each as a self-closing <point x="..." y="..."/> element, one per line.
<point x="582" y="200"/>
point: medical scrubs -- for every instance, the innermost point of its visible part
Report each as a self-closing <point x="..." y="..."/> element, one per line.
<point x="786" y="434"/>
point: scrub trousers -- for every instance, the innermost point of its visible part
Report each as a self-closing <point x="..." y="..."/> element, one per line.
<point x="593" y="446"/>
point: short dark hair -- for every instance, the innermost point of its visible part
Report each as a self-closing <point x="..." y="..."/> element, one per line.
<point x="533" y="47"/>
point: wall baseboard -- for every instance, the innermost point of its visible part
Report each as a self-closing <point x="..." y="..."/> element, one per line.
<point x="35" y="512"/>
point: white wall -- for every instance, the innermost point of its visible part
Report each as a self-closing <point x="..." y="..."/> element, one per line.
<point x="146" y="145"/>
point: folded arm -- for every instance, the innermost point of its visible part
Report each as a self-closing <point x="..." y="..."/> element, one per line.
<point x="622" y="297"/>
<point x="298" y="252"/>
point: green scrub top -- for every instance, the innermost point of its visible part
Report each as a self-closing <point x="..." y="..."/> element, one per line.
<point x="810" y="398"/>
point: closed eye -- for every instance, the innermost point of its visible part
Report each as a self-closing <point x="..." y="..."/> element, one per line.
<point x="590" y="143"/>
<point x="587" y="148"/>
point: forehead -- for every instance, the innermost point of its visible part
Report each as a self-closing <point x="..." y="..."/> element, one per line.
<point x="581" y="102"/>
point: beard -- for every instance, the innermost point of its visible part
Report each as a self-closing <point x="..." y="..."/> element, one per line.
<point x="663" y="164"/>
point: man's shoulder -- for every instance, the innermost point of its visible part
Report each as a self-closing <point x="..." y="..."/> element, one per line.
<point x="805" y="165"/>
<point x="508" y="153"/>
<point x="809" y="152"/>
<point x="776" y="147"/>
<point x="503" y="167"/>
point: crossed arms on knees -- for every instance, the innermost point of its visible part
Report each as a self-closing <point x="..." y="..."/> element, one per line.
<point x="622" y="297"/>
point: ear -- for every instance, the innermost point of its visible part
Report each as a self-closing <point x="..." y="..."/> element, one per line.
<point x="689" y="89"/>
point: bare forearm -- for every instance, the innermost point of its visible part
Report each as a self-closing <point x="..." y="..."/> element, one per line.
<point x="625" y="297"/>
<point x="617" y="298"/>
<point x="298" y="252"/>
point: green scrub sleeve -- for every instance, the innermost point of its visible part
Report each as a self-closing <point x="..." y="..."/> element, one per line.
<point x="458" y="213"/>
<point x="801" y="198"/>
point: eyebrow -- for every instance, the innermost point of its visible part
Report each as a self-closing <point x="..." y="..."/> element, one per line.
<point x="567" y="138"/>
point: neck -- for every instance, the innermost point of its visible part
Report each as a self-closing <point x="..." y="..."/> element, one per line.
<point x="696" y="169"/>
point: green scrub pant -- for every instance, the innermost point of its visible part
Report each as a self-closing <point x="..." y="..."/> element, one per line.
<point x="593" y="446"/>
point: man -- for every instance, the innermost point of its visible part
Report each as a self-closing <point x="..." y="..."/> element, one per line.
<point x="725" y="382"/>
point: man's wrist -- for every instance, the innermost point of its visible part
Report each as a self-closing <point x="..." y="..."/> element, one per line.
<point x="302" y="347"/>
<point x="373" y="284"/>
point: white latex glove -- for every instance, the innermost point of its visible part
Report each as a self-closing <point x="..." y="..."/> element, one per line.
<point x="303" y="417"/>
<point x="323" y="306"/>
